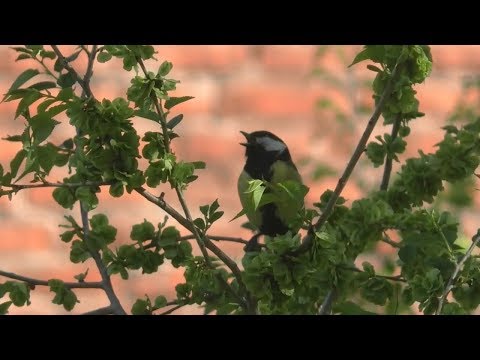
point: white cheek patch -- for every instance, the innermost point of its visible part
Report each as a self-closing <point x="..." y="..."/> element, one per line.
<point x="270" y="144"/>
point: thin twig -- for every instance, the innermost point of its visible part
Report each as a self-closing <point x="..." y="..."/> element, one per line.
<point x="389" y="241"/>
<point x="308" y="241"/>
<point x="200" y="242"/>
<point x="107" y="310"/>
<point x="70" y="285"/>
<point x="388" y="162"/>
<point x="72" y="71"/>
<point x="161" y="203"/>
<point x="326" y="307"/>
<point x="211" y="237"/>
<point x="169" y="311"/>
<point x="159" y="109"/>
<point x="46" y="184"/>
<point x="392" y="278"/>
<point x="458" y="268"/>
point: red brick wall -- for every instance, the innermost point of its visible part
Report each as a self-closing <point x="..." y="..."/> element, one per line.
<point x="235" y="88"/>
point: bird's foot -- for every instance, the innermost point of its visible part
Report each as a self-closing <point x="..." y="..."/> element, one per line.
<point x="253" y="245"/>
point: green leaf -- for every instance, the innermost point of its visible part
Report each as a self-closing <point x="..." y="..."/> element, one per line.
<point x="79" y="252"/>
<point x="43" y="85"/>
<point x="99" y="221"/>
<point x="67" y="236"/>
<point x="20" y="293"/>
<point x="143" y="231"/>
<point x="22" y="79"/>
<point x="147" y="114"/>
<point x="160" y="301"/>
<point x="4" y="307"/>
<point x="46" y="156"/>
<point x="103" y="57"/>
<point x="215" y="216"/>
<point x="169" y="236"/>
<point x="199" y="223"/>
<point x="27" y="100"/>
<point x="165" y="68"/>
<point x="199" y="165"/>
<point x="116" y="189"/>
<point x="48" y="54"/>
<point x="42" y="126"/>
<point x="175" y="121"/>
<point x="87" y="196"/>
<point x="361" y="56"/>
<point x="23" y="57"/>
<point x="64" y="197"/>
<point x="204" y="209"/>
<point x="257" y="196"/>
<point x="140" y="307"/>
<point x="350" y="308"/>
<point x="173" y="101"/>
<point x="66" y="80"/>
<point x="69" y="300"/>
<point x="16" y="162"/>
<point x="13" y="138"/>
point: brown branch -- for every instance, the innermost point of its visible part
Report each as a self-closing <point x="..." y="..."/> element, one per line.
<point x="107" y="310"/>
<point x="232" y="265"/>
<point x="458" y="268"/>
<point x="389" y="241"/>
<point x="46" y="184"/>
<point x="159" y="109"/>
<point x="308" y="241"/>
<point x="106" y="281"/>
<point x="169" y="311"/>
<point x="70" y="285"/>
<point x="84" y="84"/>
<point x="387" y="277"/>
<point x="211" y="237"/>
<point x="388" y="162"/>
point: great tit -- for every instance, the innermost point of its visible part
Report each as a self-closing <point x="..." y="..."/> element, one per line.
<point x="267" y="158"/>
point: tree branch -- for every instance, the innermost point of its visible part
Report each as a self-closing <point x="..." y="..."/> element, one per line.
<point x="107" y="310"/>
<point x="308" y="241"/>
<point x="106" y="282"/>
<point x="458" y="268"/>
<point x="388" y="162"/>
<point x="389" y="241"/>
<point x="159" y="109"/>
<point x="84" y="84"/>
<point x="211" y="237"/>
<point x="169" y="311"/>
<point x="160" y="202"/>
<point x="46" y="184"/>
<point x="70" y="285"/>
<point x="392" y="278"/>
<point x="326" y="307"/>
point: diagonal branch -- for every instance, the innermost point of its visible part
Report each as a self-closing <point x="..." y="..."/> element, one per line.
<point x="389" y="161"/>
<point x="70" y="285"/>
<point x="107" y="310"/>
<point x="161" y="203"/>
<point x="81" y="81"/>
<point x="458" y="268"/>
<point x="308" y="241"/>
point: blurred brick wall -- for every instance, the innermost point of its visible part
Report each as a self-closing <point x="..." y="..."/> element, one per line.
<point x="235" y="88"/>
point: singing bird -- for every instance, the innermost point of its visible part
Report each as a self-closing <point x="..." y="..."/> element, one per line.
<point x="267" y="158"/>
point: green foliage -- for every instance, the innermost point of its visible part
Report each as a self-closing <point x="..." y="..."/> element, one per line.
<point x="63" y="295"/>
<point x="105" y="152"/>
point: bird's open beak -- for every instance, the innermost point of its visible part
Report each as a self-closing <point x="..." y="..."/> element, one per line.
<point x="247" y="136"/>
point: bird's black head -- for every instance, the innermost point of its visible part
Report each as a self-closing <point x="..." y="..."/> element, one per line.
<point x="262" y="149"/>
